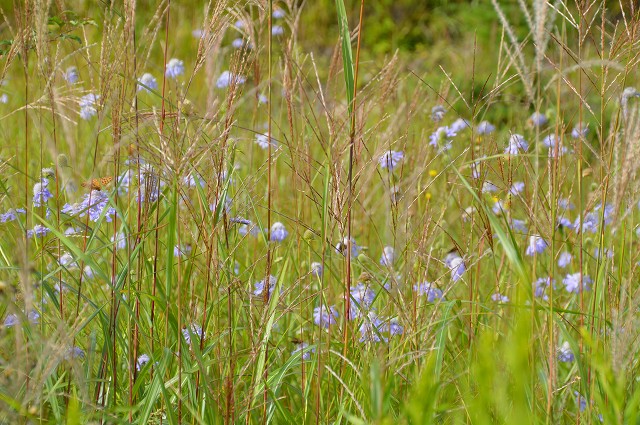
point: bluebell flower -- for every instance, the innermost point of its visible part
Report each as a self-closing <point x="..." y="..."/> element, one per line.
<point x="120" y="240"/>
<point x="239" y="24"/>
<point x="565" y="355"/>
<point x="497" y="297"/>
<point x="437" y="113"/>
<point x="303" y="348"/>
<point x="488" y="187"/>
<point x="325" y="317"/>
<point x="361" y="299"/>
<point x="371" y="328"/>
<point x="564" y="260"/>
<point x="182" y="251"/>
<point x="388" y="256"/>
<point x="516" y="188"/>
<point x="565" y="222"/>
<point x="11" y="320"/>
<point x="198" y="33"/>
<point x="537" y="244"/>
<point x="278" y="232"/>
<point x="394" y="327"/>
<point x="571" y="282"/>
<point x="391" y="159"/>
<point x="316" y="269"/>
<point x="541" y="286"/>
<point x="175" y="68"/>
<point x="608" y="253"/>
<point x="580" y="401"/>
<point x="565" y="204"/>
<point x="580" y="130"/>
<point x="262" y="140"/>
<point x="475" y="169"/>
<point x="39" y="231"/>
<point x="517" y="144"/>
<point x="485" y="127"/>
<point x="95" y="204"/>
<point x="277" y="30"/>
<point x="260" y="286"/>
<point x="249" y="229"/>
<point x="66" y="260"/>
<point x="442" y="136"/>
<point x="341" y="247"/>
<point x="4" y="98"/>
<point x="141" y="361"/>
<point x="88" y="104"/>
<point x="71" y="75"/>
<point x="499" y="207"/>
<point x="467" y="213"/>
<point x="590" y="223"/>
<point x="460" y="124"/>
<point x="41" y="193"/>
<point x="278" y="14"/>
<point x="192" y="330"/>
<point x="147" y="82"/>
<point x="263" y="99"/>
<point x="538" y="119"/>
<point x="88" y="272"/>
<point x="11" y="214"/>
<point x="456" y="265"/>
<point x="227" y="79"/>
<point x="427" y="288"/>
<point x="553" y="143"/>
<point x="519" y="226"/>
<point x="74" y="353"/>
<point x="238" y="43"/>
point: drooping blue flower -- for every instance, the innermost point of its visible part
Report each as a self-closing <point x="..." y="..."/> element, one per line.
<point x="316" y="269"/>
<point x="460" y="125"/>
<point x="71" y="75"/>
<point x="277" y="30"/>
<point x="371" y="328"/>
<point x="537" y="244"/>
<point x="564" y="260"/>
<point x="11" y="320"/>
<point x="608" y="253"/>
<point x="74" y="353"/>
<point x="39" y="231"/>
<point x="497" y="297"/>
<point x="94" y="203"/>
<point x="303" y="348"/>
<point x="249" y="229"/>
<point x="120" y="240"/>
<point x="565" y="355"/>
<point x="390" y="159"/>
<point x="437" y="113"/>
<point x="238" y="43"/>
<point x="517" y="144"/>
<point x="516" y="188"/>
<point x="259" y="287"/>
<point x="11" y="214"/>
<point x="538" y="119"/>
<point x="341" y="247"/>
<point x="499" y="207"/>
<point x="394" y="327"/>
<point x="488" y="187"/>
<point x="456" y="265"/>
<point x="192" y="330"/>
<point x="41" y="193"/>
<point x="147" y="82"/>
<point x="182" y="251"/>
<point x="388" y="256"/>
<point x="278" y="14"/>
<point x="141" y="361"/>
<point x="485" y="127"/>
<point x="554" y="144"/>
<point x="427" y="288"/>
<point x="88" y="104"/>
<point x="325" y="317"/>
<point x="541" y="286"/>
<point x="175" y="68"/>
<point x="580" y="401"/>
<point x="442" y="138"/>
<point x="519" y="226"/>
<point x="228" y="78"/>
<point x="571" y="282"/>
<point x="589" y="223"/>
<point x="4" y="98"/>
<point x="361" y="299"/>
<point x="564" y="222"/>
<point x="278" y="232"/>
<point x="565" y="204"/>
<point x="262" y="140"/>
<point x="580" y="130"/>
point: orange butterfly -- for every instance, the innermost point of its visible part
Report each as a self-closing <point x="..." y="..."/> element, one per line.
<point x="97" y="184"/>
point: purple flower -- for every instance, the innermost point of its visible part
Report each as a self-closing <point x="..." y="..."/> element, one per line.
<point x="74" y="353"/>
<point x="71" y="75"/>
<point x="249" y="229"/>
<point x="41" y="193"/>
<point x="277" y="30"/>
<point x="564" y="222"/>
<point x="580" y="130"/>
<point x="517" y="144"/>
<point x="175" y="68"/>
<point x="485" y="127"/>
<point x="437" y="113"/>
<point x="316" y="269"/>
<point x="88" y="105"/>
<point x="498" y="207"/>
<point x="565" y="204"/>
<point x="142" y="360"/>
<point x="456" y="265"/>
<point x="427" y="288"/>
<point x="538" y="119"/>
<point x="120" y="240"/>
<point x="11" y="320"/>
<point x="488" y="187"/>
<point x="238" y="43"/>
<point x="147" y="82"/>
<point x="325" y="317"/>
<point x="388" y="256"/>
<point x="94" y="204"/>
<point x="443" y="135"/>
<point x="262" y="140"/>
<point x="565" y="355"/>
<point x="497" y="297"/>
<point x="38" y="231"/>
<point x="192" y="330"/>
<point x="260" y="286"/>
<point x="390" y="159"/>
<point x="371" y="328"/>
<point x="460" y="124"/>
<point x="182" y="251"/>
<point x="227" y="79"/>
<point x="608" y="253"/>
<point x="541" y="286"/>
<point x="589" y="223"/>
<point x="516" y="188"/>
<point x="361" y="299"/>
<point x="572" y="282"/>
<point x="11" y="215"/>
<point x="278" y="14"/>
<point x="341" y="247"/>
<point x="536" y="245"/>
<point x="518" y="226"/>
<point x="278" y="232"/>
<point x="394" y="327"/>
<point x="564" y="260"/>
<point x="303" y="348"/>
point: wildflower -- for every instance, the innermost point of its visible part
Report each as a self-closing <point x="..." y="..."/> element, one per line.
<point x="460" y="124"/>
<point x="488" y="187"/>
<point x="371" y="328"/>
<point x="499" y="207"/>
<point x="390" y="159"/>
<point x="572" y="282"/>
<point x="11" y="320"/>
<point x="362" y="297"/>
<point x="277" y="30"/>
<point x="541" y="286"/>
<point x="519" y="226"/>
<point x="238" y="43"/>
<point x="580" y="401"/>
<point x="198" y="33"/>
<point x="565" y="355"/>
<point x="41" y="193"/>
<point x="88" y="105"/>
<point x="316" y="269"/>
<point x="325" y="317"/>
<point x="388" y="256"/>
<point x="71" y="75"/>
<point x="553" y="143"/>
<point x="278" y="232"/>
<point x="249" y="228"/>
<point x="427" y="288"/>
<point x="565" y="204"/>
<point x="239" y="24"/>
<point x="456" y="265"/>
<point x="120" y="240"/>
<point x="227" y="79"/>
<point x="341" y="247"/>
<point x="517" y="144"/>
<point x="485" y="127"/>
<point x="516" y="188"/>
<point x="394" y="327"/>
<point x="536" y="245"/>
<point x="262" y="140"/>
<point x="589" y="223"/>
<point x="192" y="330"/>
<point x="538" y="119"/>
<point x="580" y="130"/>
<point x="38" y="231"/>
<point x="259" y="286"/>
<point x="475" y="169"/>
<point x="4" y="98"/>
<point x="175" y="68"/>
<point x="94" y="204"/>
<point x="608" y="253"/>
<point x="88" y="272"/>
<point x="147" y="82"/>
<point x="303" y="348"/>
<point x="11" y="215"/>
<point x="564" y="260"/>
<point x="182" y="251"/>
<point x="141" y="361"/>
<point x="74" y="353"/>
<point x="263" y="99"/>
<point x="437" y="113"/>
<point x="443" y="135"/>
<point x="192" y="180"/>
<point x="564" y="222"/>
<point x="66" y="260"/>
<point x="468" y="213"/>
<point x="497" y="297"/>
<point x="278" y="14"/>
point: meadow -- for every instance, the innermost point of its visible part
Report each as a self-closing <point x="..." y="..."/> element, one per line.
<point x="296" y="212"/>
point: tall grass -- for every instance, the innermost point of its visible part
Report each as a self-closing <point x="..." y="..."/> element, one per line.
<point x="289" y="236"/>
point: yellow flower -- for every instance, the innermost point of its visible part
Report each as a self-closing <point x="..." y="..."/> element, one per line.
<point x="433" y="173"/>
<point x="427" y="196"/>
